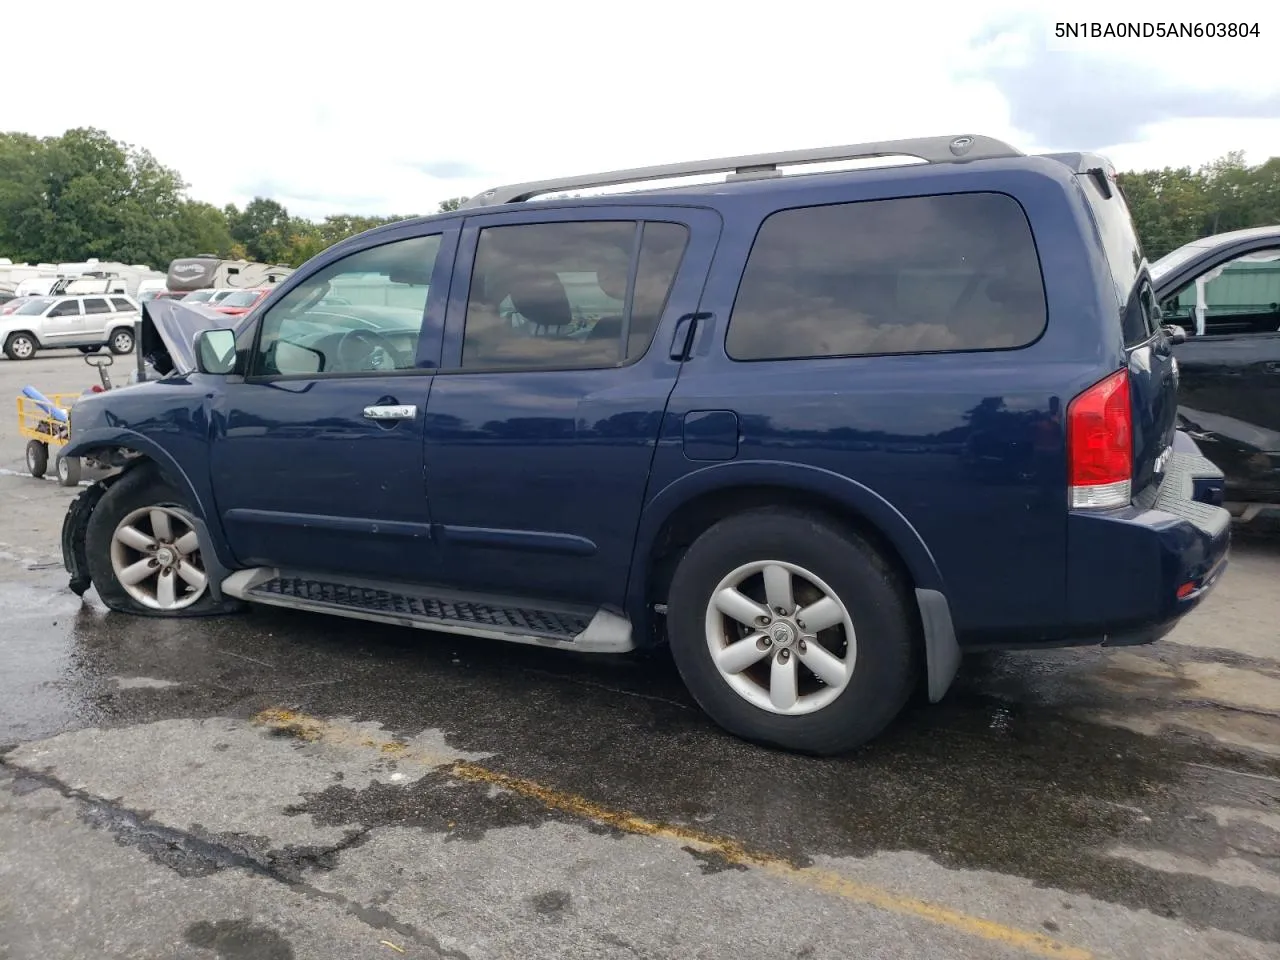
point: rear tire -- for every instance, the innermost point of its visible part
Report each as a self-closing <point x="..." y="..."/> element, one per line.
<point x="154" y="568"/>
<point x="20" y="346"/>
<point x="37" y="458"/>
<point x="68" y="471"/>
<point x="823" y="571"/>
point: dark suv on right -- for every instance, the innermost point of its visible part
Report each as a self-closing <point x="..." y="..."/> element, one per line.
<point x="819" y="432"/>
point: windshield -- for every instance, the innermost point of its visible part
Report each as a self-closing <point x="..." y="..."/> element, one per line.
<point x="34" y="306"/>
<point x="243" y="298"/>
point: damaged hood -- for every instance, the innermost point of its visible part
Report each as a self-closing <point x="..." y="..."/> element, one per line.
<point x="168" y="330"/>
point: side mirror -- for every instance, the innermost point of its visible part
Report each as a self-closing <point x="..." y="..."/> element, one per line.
<point x="1175" y="333"/>
<point x="216" y="351"/>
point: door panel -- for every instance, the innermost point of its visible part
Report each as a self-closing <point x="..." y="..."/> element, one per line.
<point x="538" y="446"/>
<point x="313" y="467"/>
<point x="62" y="324"/>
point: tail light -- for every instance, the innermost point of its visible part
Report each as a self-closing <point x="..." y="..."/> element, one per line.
<point x="1100" y="444"/>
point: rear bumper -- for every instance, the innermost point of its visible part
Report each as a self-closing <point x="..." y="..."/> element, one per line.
<point x="1133" y="573"/>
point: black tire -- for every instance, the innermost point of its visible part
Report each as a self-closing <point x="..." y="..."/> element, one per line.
<point x="68" y="471"/>
<point x="20" y="346"/>
<point x="140" y="487"/>
<point x="37" y="458"/>
<point x="886" y="664"/>
<point x="121" y="341"/>
<point x="87" y="350"/>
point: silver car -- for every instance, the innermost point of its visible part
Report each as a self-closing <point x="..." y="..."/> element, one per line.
<point x="87" y="322"/>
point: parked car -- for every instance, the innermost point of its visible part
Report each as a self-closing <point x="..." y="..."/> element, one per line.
<point x="241" y="301"/>
<point x="10" y="306"/>
<point x="209" y="295"/>
<point x="825" y="432"/>
<point x="169" y="295"/>
<point x="1224" y="291"/>
<point x="90" y="323"/>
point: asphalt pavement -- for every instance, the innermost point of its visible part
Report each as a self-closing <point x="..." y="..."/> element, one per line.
<point x="276" y="785"/>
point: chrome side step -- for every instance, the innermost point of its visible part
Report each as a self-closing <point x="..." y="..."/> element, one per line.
<point x="501" y="618"/>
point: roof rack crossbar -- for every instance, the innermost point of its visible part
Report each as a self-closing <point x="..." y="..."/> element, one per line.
<point x="931" y="149"/>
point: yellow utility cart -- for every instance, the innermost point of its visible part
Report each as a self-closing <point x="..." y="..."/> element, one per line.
<point x="46" y="423"/>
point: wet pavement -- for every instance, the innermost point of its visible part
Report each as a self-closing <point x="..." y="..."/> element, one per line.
<point x="278" y="785"/>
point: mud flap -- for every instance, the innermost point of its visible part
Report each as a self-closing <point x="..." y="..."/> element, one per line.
<point x="941" y="651"/>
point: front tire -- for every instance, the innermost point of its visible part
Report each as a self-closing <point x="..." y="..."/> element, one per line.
<point x="37" y="458"/>
<point x="121" y="342"/>
<point x="20" y="346"/>
<point x="791" y="631"/>
<point x="144" y="552"/>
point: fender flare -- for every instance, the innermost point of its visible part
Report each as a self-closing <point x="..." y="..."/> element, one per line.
<point x="801" y="478"/>
<point x="201" y="500"/>
<point x="942" y="653"/>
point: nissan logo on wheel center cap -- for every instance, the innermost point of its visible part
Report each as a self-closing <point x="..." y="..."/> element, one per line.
<point x="781" y="634"/>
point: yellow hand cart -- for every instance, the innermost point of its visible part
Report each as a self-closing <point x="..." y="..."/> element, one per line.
<point x="46" y="423"/>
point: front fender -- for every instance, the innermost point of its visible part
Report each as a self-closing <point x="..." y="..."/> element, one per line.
<point x="834" y="487"/>
<point x="199" y="496"/>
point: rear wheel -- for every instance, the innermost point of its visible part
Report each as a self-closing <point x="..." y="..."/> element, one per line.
<point x="792" y="632"/>
<point x="20" y="346"/>
<point x="144" y="551"/>
<point x="37" y="458"/>
<point x="121" y="341"/>
<point x="68" y="471"/>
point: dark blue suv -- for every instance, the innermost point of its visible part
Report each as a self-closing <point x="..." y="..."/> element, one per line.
<point x="820" y="432"/>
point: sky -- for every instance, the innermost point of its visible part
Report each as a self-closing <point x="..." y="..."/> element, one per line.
<point x="386" y="107"/>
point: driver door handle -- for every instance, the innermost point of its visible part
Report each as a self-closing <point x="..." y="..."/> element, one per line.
<point x="404" y="411"/>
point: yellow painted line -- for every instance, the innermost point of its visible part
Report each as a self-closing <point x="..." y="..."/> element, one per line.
<point x="730" y="850"/>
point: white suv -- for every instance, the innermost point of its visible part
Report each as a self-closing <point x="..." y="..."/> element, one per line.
<point x="87" y="322"/>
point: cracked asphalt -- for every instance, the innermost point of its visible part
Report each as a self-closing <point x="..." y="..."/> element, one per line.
<point x="274" y="785"/>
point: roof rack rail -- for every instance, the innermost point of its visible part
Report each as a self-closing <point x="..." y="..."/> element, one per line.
<point x="931" y="149"/>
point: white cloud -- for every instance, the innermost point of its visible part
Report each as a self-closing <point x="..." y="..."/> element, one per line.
<point x="389" y="107"/>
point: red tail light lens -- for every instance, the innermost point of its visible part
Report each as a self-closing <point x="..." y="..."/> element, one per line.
<point x="1100" y="444"/>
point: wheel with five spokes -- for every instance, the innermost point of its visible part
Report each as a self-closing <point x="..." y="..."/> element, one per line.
<point x="791" y="631"/>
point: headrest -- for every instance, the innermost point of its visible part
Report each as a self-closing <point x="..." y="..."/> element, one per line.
<point x="539" y="297"/>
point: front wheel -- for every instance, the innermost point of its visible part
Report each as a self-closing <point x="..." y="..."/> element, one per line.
<point x="121" y="342"/>
<point x="20" y="346"/>
<point x="37" y="458"/>
<point x="791" y="631"/>
<point x="144" y="551"/>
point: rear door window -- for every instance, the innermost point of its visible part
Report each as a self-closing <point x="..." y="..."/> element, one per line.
<point x="96" y="305"/>
<point x="121" y="304"/>
<point x="909" y="275"/>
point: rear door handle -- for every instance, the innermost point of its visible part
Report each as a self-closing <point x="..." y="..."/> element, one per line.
<point x="403" y="411"/>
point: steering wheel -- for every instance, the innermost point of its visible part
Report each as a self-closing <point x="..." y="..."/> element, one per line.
<point x="359" y="350"/>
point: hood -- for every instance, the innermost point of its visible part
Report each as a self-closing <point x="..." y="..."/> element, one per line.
<point x="168" y="330"/>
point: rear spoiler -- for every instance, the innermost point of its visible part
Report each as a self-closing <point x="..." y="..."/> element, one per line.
<point x="1095" y="165"/>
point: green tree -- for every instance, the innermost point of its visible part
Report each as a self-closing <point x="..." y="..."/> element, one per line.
<point x="263" y="227"/>
<point x="453" y="203"/>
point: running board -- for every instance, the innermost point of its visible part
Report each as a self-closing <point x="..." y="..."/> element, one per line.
<point x="427" y="608"/>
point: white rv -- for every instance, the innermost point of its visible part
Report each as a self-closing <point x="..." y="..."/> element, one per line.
<point x="201" y="273"/>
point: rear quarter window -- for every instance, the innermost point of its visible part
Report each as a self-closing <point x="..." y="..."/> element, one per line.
<point x="945" y="273"/>
<point x="1124" y="257"/>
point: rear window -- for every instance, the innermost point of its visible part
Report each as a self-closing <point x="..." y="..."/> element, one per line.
<point x="244" y="298"/>
<point x="121" y="304"/>
<point x="1124" y="256"/>
<point x="908" y="275"/>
